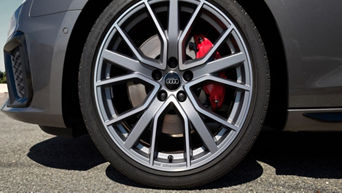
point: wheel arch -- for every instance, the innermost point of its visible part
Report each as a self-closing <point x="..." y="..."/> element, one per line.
<point x="267" y="26"/>
<point x="70" y="102"/>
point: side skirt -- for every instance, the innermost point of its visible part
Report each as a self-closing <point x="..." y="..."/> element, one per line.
<point x="324" y="119"/>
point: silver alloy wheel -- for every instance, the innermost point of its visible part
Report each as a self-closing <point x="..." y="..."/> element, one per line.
<point x="135" y="127"/>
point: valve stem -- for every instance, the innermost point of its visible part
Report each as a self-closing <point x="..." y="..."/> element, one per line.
<point x="170" y="158"/>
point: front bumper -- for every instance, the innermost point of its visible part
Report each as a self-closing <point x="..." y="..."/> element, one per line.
<point x="34" y="60"/>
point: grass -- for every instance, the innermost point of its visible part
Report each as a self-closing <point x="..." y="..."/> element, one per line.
<point x="3" y="77"/>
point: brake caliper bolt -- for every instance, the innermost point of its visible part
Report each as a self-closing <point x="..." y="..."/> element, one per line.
<point x="157" y="75"/>
<point x="162" y="95"/>
<point x="172" y="62"/>
<point x="181" y="96"/>
<point x="188" y="76"/>
<point x="193" y="46"/>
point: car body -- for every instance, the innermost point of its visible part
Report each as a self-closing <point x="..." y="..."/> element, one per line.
<point x="301" y="38"/>
<point x="309" y="33"/>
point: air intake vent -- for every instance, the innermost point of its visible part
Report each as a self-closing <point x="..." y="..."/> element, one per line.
<point x="18" y="72"/>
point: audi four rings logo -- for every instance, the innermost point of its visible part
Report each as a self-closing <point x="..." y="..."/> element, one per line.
<point x="172" y="81"/>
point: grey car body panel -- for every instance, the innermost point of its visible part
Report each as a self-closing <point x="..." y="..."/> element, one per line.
<point x="46" y="46"/>
<point x="314" y="61"/>
<point x="311" y="31"/>
<point x="46" y="7"/>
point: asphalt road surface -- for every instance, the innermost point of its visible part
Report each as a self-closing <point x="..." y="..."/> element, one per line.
<point x="32" y="161"/>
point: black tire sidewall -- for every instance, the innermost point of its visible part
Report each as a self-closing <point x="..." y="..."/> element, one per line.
<point x="220" y="165"/>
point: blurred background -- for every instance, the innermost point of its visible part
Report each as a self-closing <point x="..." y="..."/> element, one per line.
<point x="7" y="8"/>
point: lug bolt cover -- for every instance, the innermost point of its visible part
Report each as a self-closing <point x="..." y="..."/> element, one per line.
<point x="188" y="76"/>
<point x="162" y="95"/>
<point x="181" y="96"/>
<point x="172" y="62"/>
<point x="157" y="75"/>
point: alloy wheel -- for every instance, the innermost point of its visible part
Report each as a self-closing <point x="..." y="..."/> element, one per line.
<point x="164" y="105"/>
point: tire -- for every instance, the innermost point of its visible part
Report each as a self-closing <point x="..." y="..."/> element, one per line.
<point x="113" y="139"/>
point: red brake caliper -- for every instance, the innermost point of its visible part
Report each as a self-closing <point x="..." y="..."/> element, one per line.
<point x="215" y="91"/>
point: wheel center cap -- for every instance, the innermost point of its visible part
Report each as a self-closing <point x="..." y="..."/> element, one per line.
<point x="172" y="81"/>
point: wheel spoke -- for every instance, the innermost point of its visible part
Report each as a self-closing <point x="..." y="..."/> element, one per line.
<point x="199" y="125"/>
<point x="138" y="109"/>
<point x="173" y="29"/>
<point x="187" y="133"/>
<point x="219" y="64"/>
<point x="142" y="123"/>
<point x="154" y="136"/>
<point x="186" y="32"/>
<point x="125" y="62"/>
<point x="161" y="34"/>
<point x="123" y="78"/>
<point x="154" y="130"/>
<point x="136" y="51"/>
<point x="174" y="101"/>
<point x="115" y="80"/>
<point x="229" y="83"/>
<point x="211" y="52"/>
<point x="207" y="113"/>
<point x="187" y="142"/>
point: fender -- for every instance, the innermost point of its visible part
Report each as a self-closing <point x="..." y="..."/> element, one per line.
<point x="301" y="25"/>
<point x="47" y="7"/>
